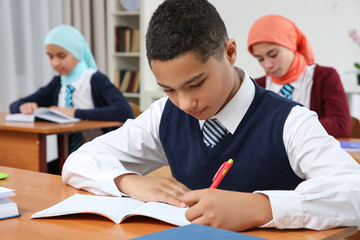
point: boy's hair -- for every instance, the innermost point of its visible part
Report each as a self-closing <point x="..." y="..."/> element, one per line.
<point x="179" y="27"/>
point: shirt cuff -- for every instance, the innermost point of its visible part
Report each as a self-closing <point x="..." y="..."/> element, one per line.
<point x="270" y="224"/>
<point x="109" y="185"/>
<point x="286" y="207"/>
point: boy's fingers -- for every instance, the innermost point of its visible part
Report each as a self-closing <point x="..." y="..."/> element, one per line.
<point x="194" y="214"/>
<point x="171" y="199"/>
<point x="192" y="197"/>
<point x="179" y="187"/>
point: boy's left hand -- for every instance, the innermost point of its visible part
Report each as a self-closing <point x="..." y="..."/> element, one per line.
<point x="229" y="210"/>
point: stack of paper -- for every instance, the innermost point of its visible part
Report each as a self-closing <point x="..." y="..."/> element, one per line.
<point x="8" y="209"/>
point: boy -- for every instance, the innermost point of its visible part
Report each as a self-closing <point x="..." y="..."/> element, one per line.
<point x="287" y="171"/>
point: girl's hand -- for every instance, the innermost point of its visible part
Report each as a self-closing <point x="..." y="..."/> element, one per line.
<point x="28" y="108"/>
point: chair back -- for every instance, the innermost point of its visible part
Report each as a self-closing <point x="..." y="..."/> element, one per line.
<point x="355" y="128"/>
<point x="135" y="108"/>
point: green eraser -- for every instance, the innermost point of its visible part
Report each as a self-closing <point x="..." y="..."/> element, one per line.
<point x="3" y="175"/>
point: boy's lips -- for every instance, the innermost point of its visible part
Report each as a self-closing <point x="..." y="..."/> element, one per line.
<point x="197" y="113"/>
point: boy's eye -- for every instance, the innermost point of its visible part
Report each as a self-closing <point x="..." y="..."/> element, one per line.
<point x="198" y="84"/>
<point x="168" y="90"/>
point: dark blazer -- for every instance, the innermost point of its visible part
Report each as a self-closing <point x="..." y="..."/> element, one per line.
<point x="328" y="99"/>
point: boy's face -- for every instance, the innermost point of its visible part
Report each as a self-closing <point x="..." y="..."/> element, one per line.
<point x="61" y="60"/>
<point x="199" y="89"/>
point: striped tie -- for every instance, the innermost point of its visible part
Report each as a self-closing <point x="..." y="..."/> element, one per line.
<point x="287" y="90"/>
<point x="213" y="132"/>
<point x="75" y="139"/>
<point x="68" y="98"/>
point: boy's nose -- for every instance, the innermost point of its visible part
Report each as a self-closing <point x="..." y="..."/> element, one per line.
<point x="186" y="102"/>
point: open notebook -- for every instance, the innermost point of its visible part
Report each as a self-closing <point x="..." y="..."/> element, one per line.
<point x="42" y="113"/>
<point x="116" y="209"/>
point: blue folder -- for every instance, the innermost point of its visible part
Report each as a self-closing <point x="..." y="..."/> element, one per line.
<point x="196" y="232"/>
<point x="350" y="145"/>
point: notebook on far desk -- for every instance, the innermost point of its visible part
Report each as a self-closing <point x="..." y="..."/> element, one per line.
<point x="42" y="113"/>
<point x="350" y="146"/>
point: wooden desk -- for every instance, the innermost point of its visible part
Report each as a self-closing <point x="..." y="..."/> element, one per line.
<point x="23" y="145"/>
<point x="36" y="191"/>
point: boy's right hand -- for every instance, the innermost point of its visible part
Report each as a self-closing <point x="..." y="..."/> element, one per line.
<point x="28" y="108"/>
<point x="152" y="189"/>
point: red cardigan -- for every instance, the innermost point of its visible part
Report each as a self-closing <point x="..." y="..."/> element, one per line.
<point x="328" y="99"/>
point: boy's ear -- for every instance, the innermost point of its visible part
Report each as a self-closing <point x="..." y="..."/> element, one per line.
<point x="231" y="50"/>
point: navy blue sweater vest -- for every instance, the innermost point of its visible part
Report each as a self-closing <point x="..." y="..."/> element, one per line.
<point x="257" y="148"/>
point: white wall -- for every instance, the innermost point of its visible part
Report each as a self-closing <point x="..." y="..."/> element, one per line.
<point x="325" y="22"/>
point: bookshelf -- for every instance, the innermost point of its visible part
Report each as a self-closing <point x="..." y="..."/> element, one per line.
<point x="123" y="47"/>
<point x="149" y="91"/>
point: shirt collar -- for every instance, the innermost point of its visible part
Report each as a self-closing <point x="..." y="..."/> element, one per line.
<point x="296" y="84"/>
<point x="233" y="112"/>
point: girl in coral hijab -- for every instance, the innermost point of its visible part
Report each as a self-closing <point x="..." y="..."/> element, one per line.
<point x="286" y="55"/>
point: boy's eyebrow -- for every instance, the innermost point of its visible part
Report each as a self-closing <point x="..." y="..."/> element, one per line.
<point x="193" y="79"/>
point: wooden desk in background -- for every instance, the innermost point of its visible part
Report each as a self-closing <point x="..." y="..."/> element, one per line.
<point x="23" y="145"/>
<point x="36" y="191"/>
<point x="355" y="155"/>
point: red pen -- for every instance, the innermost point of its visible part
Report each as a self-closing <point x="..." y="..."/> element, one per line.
<point x="221" y="173"/>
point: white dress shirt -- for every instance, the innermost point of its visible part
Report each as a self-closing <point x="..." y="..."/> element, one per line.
<point x="82" y="94"/>
<point x="302" y="86"/>
<point x="329" y="197"/>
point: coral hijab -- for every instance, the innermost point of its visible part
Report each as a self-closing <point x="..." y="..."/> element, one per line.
<point x="282" y="31"/>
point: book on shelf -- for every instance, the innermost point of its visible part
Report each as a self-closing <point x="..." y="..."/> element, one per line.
<point x="124" y="81"/>
<point x="120" y="38"/>
<point x="116" y="39"/>
<point x="136" y="83"/>
<point x="127" y="81"/>
<point x="135" y="44"/>
<point x="131" y="83"/>
<point x="196" y="232"/>
<point x="117" y="78"/>
<point x="116" y="209"/>
<point x="119" y="75"/>
<point x="127" y="39"/>
<point x="350" y="146"/>
<point x="8" y="208"/>
<point x="42" y="113"/>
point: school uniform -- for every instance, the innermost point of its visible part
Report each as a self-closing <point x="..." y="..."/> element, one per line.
<point x="279" y="149"/>
<point x="319" y="89"/>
